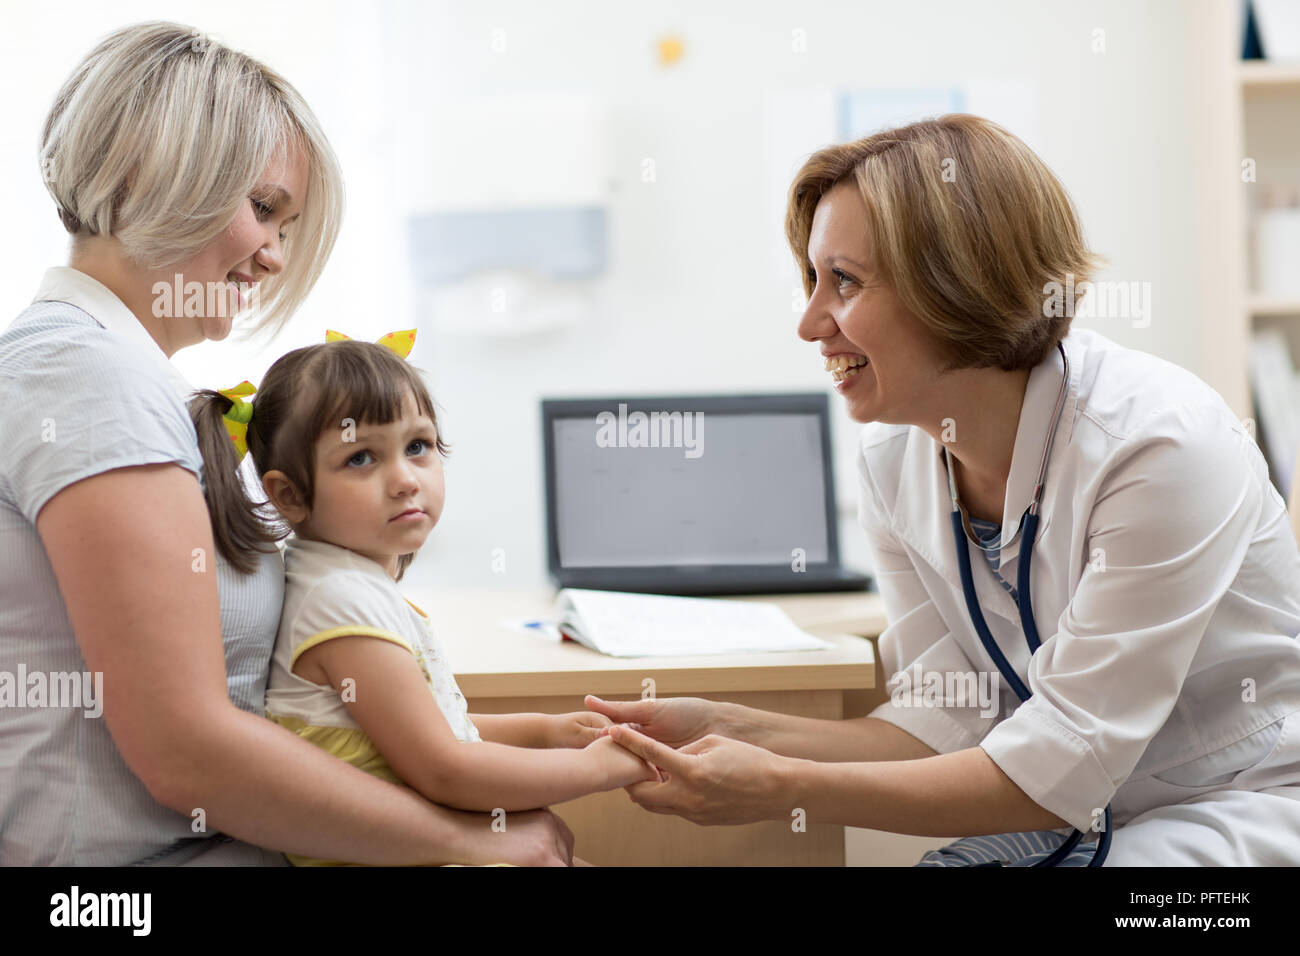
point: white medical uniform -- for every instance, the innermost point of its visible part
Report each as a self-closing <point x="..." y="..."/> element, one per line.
<point x="1166" y="588"/>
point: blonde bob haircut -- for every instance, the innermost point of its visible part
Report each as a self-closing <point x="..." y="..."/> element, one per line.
<point x="967" y="225"/>
<point x="161" y="134"/>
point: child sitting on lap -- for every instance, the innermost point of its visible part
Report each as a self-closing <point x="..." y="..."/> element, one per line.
<point x="346" y="442"/>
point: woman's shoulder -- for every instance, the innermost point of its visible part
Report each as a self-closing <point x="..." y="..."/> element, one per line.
<point x="56" y="342"/>
<point x="80" y="400"/>
<point x="1124" y="393"/>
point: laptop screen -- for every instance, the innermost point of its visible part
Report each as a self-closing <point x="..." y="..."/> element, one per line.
<point x="688" y="487"/>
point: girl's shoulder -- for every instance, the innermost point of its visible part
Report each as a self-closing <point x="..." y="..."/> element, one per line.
<point x="329" y="586"/>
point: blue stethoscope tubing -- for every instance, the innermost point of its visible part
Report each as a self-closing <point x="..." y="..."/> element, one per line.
<point x="1029" y="531"/>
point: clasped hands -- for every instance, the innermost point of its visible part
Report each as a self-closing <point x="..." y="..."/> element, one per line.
<point x="697" y="774"/>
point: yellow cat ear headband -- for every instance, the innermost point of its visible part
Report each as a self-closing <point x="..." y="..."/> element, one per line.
<point x="399" y="342"/>
<point x="240" y="412"/>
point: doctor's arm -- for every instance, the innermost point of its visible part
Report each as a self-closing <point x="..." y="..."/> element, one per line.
<point x="1101" y="686"/>
<point x="717" y="780"/>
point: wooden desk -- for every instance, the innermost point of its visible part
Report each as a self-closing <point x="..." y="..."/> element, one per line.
<point x="501" y="671"/>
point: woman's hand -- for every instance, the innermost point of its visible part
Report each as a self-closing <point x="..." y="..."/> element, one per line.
<point x="530" y="838"/>
<point x="621" y="767"/>
<point x="675" y="721"/>
<point x="714" y="780"/>
<point x="573" y="730"/>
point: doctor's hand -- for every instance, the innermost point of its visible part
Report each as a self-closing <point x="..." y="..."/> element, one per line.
<point x="714" y="780"/>
<point x="675" y="721"/>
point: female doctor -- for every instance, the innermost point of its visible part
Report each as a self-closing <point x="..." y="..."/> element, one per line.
<point x="1158" y="721"/>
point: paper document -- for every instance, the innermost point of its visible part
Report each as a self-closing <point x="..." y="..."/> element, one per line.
<point x="647" y="625"/>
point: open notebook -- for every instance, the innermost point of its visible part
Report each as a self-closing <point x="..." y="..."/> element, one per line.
<point x="645" y="625"/>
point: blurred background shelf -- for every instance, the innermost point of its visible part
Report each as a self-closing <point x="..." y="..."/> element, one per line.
<point x="1266" y="76"/>
<point x="1262" y="306"/>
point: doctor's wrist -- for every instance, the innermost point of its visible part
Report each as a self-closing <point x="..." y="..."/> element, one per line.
<point x="735" y="721"/>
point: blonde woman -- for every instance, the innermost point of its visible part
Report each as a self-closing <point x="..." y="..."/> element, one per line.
<point x="1161" y="708"/>
<point x="172" y="160"/>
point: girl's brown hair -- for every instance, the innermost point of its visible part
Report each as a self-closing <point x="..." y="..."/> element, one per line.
<point x="967" y="225"/>
<point x="303" y="393"/>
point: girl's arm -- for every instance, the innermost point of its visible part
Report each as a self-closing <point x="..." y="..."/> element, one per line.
<point x="516" y="730"/>
<point x="123" y="545"/>
<point x="390" y="700"/>
<point x="542" y="730"/>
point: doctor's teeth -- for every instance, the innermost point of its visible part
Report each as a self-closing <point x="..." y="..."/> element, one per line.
<point x="842" y="366"/>
<point x="838" y="363"/>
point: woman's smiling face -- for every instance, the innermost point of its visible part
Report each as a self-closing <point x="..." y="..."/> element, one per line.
<point x="249" y="249"/>
<point x="855" y="315"/>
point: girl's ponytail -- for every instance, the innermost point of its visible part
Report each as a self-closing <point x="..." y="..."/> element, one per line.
<point x="239" y="530"/>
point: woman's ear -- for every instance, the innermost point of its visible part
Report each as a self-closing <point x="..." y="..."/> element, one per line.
<point x="284" y="496"/>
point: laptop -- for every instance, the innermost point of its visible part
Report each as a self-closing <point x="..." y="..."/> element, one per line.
<point x="693" y="495"/>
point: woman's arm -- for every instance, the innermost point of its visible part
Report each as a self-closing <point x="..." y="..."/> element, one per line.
<point x="678" y="721"/>
<point x="830" y="741"/>
<point x="132" y="551"/>
<point x="389" y="698"/>
<point x="718" y="780"/>
<point x="958" y="794"/>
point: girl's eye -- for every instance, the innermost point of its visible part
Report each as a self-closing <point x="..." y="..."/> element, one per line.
<point x="356" y="456"/>
<point x="424" y="445"/>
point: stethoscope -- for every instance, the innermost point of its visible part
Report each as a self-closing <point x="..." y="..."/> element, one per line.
<point x="1028" y="525"/>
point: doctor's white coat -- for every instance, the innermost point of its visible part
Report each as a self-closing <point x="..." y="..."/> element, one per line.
<point x="1166" y="588"/>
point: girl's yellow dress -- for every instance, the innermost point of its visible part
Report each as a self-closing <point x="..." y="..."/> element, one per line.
<point x="330" y="592"/>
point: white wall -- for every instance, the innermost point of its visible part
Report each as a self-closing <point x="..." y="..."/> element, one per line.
<point x="692" y="301"/>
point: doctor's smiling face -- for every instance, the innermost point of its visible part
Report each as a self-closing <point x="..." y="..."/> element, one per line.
<point x="856" y="317"/>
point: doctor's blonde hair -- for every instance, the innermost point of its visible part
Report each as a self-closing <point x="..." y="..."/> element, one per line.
<point x="966" y="224"/>
<point x="161" y="134"/>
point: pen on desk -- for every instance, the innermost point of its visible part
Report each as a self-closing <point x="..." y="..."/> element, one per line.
<point x="541" y="625"/>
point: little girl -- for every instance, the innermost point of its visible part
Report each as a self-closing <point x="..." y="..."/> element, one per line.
<point x="345" y="440"/>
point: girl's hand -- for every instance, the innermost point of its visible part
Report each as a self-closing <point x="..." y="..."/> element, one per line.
<point x="675" y="721"/>
<point x="573" y="730"/>
<point x="621" y="767"/>
<point x="715" y="780"/>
